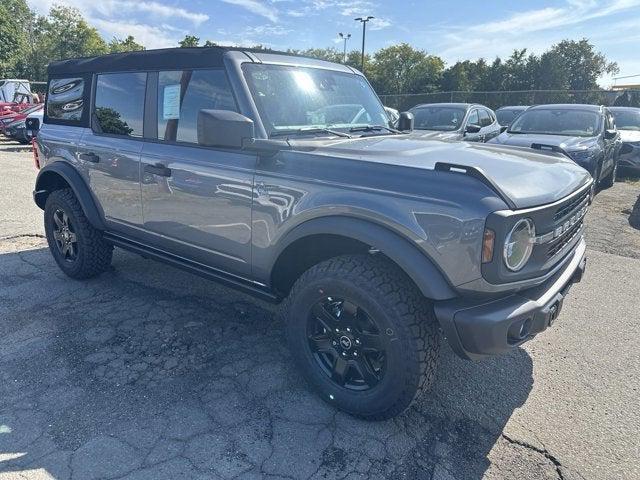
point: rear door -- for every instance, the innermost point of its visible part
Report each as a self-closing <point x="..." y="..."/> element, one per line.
<point x="110" y="149"/>
<point x="489" y="124"/>
<point x="196" y="200"/>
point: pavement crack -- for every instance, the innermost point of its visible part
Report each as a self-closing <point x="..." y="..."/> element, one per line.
<point x="542" y="451"/>
<point x="23" y="235"/>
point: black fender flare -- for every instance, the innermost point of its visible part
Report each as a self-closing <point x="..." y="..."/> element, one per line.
<point x="49" y="177"/>
<point x="415" y="263"/>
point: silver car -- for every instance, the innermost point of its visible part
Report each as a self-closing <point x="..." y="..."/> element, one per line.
<point x="628" y="123"/>
<point x="455" y="121"/>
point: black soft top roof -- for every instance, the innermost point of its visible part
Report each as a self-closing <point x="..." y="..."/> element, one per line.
<point x="165" y="58"/>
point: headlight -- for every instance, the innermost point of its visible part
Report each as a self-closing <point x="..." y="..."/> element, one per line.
<point x="519" y="244"/>
<point x="582" y="155"/>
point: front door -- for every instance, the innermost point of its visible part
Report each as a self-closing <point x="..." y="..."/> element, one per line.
<point x="110" y="150"/>
<point x="473" y="119"/>
<point x="196" y="201"/>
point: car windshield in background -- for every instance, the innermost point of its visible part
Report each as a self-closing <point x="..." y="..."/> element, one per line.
<point x="442" y="119"/>
<point x="505" y="117"/>
<point x="294" y="99"/>
<point x="627" y="120"/>
<point x="549" y="121"/>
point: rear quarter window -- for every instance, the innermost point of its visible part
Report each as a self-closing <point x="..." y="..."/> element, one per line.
<point x="66" y="100"/>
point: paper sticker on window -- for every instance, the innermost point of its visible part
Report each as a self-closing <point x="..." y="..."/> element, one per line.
<point x="171" y="102"/>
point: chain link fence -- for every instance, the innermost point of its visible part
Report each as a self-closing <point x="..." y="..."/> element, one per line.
<point x="499" y="99"/>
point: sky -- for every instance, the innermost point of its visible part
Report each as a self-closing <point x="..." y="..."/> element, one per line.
<point x="460" y="30"/>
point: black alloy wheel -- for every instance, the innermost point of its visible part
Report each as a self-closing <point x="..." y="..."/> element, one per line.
<point x="65" y="236"/>
<point x="346" y="344"/>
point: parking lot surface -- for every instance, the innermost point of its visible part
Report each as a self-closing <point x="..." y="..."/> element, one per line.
<point x="148" y="372"/>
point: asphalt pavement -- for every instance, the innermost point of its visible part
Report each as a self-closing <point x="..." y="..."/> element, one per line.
<point x="148" y="372"/>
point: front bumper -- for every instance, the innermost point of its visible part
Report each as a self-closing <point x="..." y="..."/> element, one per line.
<point x="476" y="329"/>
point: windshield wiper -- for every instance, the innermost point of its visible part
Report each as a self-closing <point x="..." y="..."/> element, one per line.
<point x="371" y="128"/>
<point x="294" y="131"/>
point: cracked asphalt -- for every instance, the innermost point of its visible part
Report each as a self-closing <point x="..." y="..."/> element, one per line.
<point x="148" y="372"/>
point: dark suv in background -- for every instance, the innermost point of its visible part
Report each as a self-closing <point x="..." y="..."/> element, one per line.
<point x="585" y="133"/>
<point x="455" y="121"/>
<point x="506" y="115"/>
<point x="280" y="176"/>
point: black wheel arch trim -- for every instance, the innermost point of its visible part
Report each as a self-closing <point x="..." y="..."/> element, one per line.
<point x="415" y="263"/>
<point x="75" y="181"/>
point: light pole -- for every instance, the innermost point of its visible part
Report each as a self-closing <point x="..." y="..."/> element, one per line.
<point x="345" y="37"/>
<point x="364" y="21"/>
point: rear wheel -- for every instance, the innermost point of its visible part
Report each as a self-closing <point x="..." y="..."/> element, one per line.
<point x="77" y="247"/>
<point x="363" y="335"/>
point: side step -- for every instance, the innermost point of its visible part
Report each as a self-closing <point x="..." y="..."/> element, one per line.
<point x="199" y="269"/>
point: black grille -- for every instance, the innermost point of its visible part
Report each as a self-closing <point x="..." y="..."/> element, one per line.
<point x="568" y="208"/>
<point x="565" y="239"/>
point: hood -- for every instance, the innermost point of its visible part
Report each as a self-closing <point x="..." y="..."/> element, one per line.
<point x="563" y="142"/>
<point x="436" y="135"/>
<point x="630" y="136"/>
<point x="529" y="178"/>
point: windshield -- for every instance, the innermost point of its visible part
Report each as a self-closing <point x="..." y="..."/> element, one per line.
<point x="551" y="121"/>
<point x="627" y="119"/>
<point x="293" y="98"/>
<point x="438" y="118"/>
<point x="505" y="117"/>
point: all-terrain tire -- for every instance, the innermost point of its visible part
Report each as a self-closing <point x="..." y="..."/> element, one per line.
<point x="399" y="310"/>
<point x="92" y="253"/>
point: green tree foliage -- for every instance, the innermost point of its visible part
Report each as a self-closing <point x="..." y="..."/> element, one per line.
<point x="403" y="69"/>
<point x="189" y="41"/>
<point x="16" y="24"/>
<point x="129" y="44"/>
<point x="111" y="122"/>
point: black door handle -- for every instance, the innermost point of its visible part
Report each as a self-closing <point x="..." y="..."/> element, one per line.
<point x="90" y="157"/>
<point x="158" y="169"/>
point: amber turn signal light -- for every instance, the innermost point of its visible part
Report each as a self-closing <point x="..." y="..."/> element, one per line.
<point x="488" y="242"/>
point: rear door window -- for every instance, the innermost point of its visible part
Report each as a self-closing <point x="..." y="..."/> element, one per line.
<point x="473" y="118"/>
<point x="182" y="94"/>
<point x="119" y="104"/>
<point x="485" y="118"/>
<point x="65" y="99"/>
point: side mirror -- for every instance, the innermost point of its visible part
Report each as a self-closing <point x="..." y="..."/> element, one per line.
<point x="610" y="134"/>
<point x="473" y="128"/>
<point x="504" y="129"/>
<point x="223" y="128"/>
<point x="406" y="122"/>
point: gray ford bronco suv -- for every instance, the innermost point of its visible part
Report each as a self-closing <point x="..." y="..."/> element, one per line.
<point x="280" y="175"/>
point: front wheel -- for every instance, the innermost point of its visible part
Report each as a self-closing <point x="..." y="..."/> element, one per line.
<point x="363" y="335"/>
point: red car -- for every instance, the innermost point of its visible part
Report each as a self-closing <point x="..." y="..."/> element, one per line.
<point x="8" y="119"/>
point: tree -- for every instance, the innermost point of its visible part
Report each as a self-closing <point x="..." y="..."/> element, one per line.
<point x="574" y="65"/>
<point x="129" y="44"/>
<point x="16" y="23"/>
<point x="401" y="69"/>
<point x="189" y="41"/>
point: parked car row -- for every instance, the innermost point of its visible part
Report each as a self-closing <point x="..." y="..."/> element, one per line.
<point x="17" y="105"/>
<point x="595" y="137"/>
